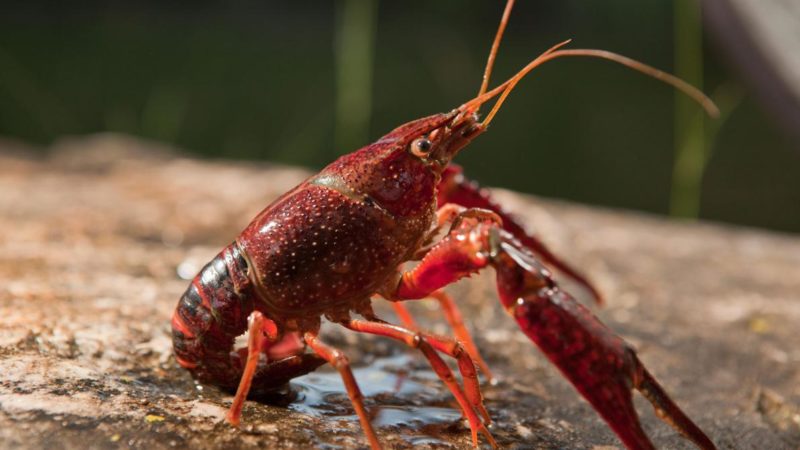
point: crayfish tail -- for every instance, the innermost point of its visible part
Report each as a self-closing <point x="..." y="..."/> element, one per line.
<point x="209" y="316"/>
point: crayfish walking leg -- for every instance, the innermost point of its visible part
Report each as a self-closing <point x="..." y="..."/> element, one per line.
<point x="255" y="343"/>
<point x="456" y="321"/>
<point x="340" y="362"/>
<point x="469" y="401"/>
<point x="601" y="366"/>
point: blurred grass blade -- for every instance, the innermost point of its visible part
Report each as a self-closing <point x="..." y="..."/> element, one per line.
<point x="354" y="52"/>
<point x="689" y="138"/>
<point x="41" y="105"/>
<point x="163" y="113"/>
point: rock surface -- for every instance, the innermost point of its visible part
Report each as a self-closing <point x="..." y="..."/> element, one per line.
<point x="97" y="242"/>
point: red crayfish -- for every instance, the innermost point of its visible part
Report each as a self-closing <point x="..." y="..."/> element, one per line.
<point x="329" y="245"/>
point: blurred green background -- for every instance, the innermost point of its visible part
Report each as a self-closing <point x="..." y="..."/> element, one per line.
<point x="303" y="82"/>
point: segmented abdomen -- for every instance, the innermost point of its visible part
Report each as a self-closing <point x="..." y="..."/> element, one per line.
<point x="210" y="315"/>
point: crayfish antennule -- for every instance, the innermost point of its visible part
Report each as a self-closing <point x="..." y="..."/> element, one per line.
<point x="472" y="106"/>
<point x="487" y="72"/>
<point x="509" y="85"/>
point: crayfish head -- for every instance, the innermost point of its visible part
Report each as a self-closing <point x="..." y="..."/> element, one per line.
<point x="435" y="140"/>
<point x="400" y="171"/>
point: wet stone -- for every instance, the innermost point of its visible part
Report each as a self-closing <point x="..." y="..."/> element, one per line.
<point x="96" y="250"/>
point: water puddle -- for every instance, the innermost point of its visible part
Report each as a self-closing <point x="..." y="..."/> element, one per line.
<point x="397" y="397"/>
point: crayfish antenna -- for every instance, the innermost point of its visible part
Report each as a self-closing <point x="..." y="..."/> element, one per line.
<point x="691" y="91"/>
<point x="487" y="72"/>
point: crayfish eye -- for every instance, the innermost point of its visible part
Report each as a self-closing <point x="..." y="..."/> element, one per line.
<point x="421" y="147"/>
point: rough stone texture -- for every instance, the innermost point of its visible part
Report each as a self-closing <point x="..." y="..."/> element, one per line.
<point x="95" y="241"/>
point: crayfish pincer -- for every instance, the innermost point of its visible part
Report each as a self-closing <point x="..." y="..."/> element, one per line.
<point x="340" y="238"/>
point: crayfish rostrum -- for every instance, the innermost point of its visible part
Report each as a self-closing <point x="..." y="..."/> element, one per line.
<point x="340" y="238"/>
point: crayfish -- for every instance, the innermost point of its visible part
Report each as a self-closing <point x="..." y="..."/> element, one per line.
<point x="343" y="236"/>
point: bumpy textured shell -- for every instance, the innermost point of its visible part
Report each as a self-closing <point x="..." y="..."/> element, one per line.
<point x="336" y="238"/>
<point x="322" y="248"/>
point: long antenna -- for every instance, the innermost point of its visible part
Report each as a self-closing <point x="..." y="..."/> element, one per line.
<point x="551" y="54"/>
<point x="487" y="72"/>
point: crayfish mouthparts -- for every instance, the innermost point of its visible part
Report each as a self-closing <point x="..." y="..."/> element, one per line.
<point x="449" y="139"/>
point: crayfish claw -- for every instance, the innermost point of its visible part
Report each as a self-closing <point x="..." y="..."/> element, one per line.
<point x="668" y="411"/>
<point x="600" y="364"/>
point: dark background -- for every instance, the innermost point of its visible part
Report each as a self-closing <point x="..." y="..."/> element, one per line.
<point x="258" y="81"/>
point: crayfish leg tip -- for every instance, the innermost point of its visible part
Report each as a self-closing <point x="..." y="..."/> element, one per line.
<point x="487" y="420"/>
<point x="486" y="374"/>
<point x="490" y="438"/>
<point x="232" y="421"/>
